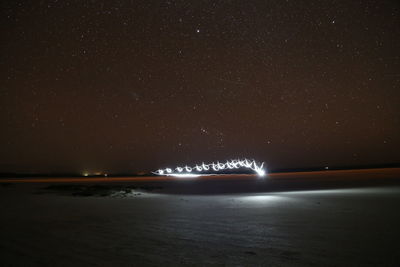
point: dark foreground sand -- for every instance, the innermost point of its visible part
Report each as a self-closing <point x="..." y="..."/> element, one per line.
<point x="329" y="219"/>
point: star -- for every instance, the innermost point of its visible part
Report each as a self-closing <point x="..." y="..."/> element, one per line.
<point x="203" y="130"/>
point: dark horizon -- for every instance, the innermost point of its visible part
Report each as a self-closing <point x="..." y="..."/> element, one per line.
<point x="133" y="86"/>
<point x="95" y="173"/>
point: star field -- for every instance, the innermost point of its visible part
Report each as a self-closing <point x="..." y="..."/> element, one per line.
<point x="126" y="86"/>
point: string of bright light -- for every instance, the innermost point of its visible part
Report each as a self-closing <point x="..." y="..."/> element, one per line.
<point x="202" y="169"/>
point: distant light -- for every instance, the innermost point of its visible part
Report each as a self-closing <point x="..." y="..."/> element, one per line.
<point x="184" y="175"/>
<point x="199" y="169"/>
<point x="85" y="174"/>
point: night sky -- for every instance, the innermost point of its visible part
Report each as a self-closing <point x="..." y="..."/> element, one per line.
<point x="127" y="86"/>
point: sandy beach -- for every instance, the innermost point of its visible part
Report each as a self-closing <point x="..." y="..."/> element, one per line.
<point x="321" y="219"/>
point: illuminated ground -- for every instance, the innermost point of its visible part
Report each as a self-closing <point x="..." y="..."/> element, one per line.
<point x="346" y="218"/>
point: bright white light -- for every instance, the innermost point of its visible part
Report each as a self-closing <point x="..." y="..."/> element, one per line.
<point x="187" y="171"/>
<point x="263" y="198"/>
<point x="184" y="175"/>
<point x="261" y="172"/>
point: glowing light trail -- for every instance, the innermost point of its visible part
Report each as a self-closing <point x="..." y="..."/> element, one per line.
<point x="199" y="170"/>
